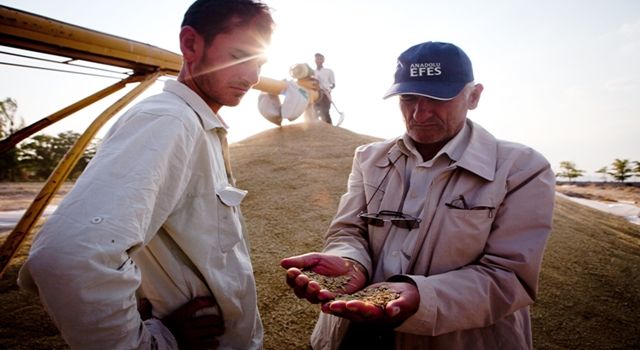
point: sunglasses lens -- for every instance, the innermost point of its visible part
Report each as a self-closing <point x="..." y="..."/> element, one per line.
<point x="375" y="221"/>
<point x="406" y="223"/>
<point x="402" y="222"/>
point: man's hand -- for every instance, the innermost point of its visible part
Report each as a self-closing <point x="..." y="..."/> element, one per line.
<point x="324" y="264"/>
<point x="195" y="332"/>
<point x="394" y="312"/>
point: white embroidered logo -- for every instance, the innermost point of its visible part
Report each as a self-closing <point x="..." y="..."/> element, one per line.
<point x="422" y="69"/>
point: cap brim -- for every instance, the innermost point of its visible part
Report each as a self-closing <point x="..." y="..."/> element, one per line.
<point x="438" y="91"/>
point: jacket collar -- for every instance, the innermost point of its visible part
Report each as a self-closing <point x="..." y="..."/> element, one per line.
<point x="209" y="119"/>
<point x="479" y="156"/>
<point x="392" y="155"/>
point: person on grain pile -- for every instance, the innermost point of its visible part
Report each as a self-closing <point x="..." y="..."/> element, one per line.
<point x="451" y="219"/>
<point x="326" y="83"/>
<point x="155" y="216"/>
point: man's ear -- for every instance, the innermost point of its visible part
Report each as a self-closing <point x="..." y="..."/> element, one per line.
<point x="191" y="44"/>
<point x="474" y="96"/>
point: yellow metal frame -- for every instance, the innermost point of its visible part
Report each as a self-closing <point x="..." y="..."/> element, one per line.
<point x="41" y="34"/>
<point x="37" y="33"/>
<point x="15" y="138"/>
<point x="32" y="32"/>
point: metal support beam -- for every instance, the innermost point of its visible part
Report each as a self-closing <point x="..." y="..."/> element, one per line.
<point x="31" y="216"/>
<point x="28" y="31"/>
<point x="15" y="138"/>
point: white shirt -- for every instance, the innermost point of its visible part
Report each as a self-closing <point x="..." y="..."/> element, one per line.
<point x="326" y="79"/>
<point x="154" y="210"/>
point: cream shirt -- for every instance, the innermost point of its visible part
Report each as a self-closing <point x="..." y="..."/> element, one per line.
<point x="154" y="214"/>
<point x="326" y="79"/>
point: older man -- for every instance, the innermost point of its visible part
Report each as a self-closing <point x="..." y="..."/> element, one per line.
<point x="446" y="216"/>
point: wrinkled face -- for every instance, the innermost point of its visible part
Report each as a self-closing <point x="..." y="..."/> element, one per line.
<point x="228" y="67"/>
<point x="430" y="121"/>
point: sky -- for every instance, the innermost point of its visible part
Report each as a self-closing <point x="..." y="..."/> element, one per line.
<point x="561" y="76"/>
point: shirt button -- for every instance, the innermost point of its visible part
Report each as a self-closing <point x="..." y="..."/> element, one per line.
<point x="96" y="220"/>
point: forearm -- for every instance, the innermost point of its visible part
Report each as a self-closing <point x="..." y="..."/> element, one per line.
<point x="346" y="234"/>
<point x="93" y="305"/>
<point x="473" y="297"/>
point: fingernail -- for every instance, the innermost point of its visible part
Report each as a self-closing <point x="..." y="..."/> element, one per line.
<point x="395" y="311"/>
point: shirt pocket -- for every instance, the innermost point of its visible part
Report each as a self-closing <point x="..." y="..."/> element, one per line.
<point x="229" y="226"/>
<point x="466" y="232"/>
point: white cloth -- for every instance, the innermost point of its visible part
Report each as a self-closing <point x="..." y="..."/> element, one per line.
<point x="154" y="209"/>
<point x="295" y="101"/>
<point x="270" y="108"/>
<point x="326" y="80"/>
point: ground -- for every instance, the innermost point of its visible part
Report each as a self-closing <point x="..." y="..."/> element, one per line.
<point x="588" y="294"/>
<point x="607" y="191"/>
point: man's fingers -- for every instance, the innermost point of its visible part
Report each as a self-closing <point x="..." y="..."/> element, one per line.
<point x="336" y="307"/>
<point x="195" y="305"/>
<point x="366" y="310"/>
<point x="300" y="261"/>
<point x="301" y="280"/>
<point x="292" y="274"/>
<point x="187" y="310"/>
<point x="354" y="310"/>
<point x="313" y="288"/>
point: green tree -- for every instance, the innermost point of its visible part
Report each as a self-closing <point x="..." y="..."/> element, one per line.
<point x="8" y="119"/>
<point x="42" y="153"/>
<point x="9" y="123"/>
<point x="569" y="171"/>
<point x="621" y="169"/>
<point x="603" y="173"/>
<point x="636" y="170"/>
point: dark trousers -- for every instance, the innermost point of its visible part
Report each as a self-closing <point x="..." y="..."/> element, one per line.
<point x="322" y="106"/>
<point x="367" y="336"/>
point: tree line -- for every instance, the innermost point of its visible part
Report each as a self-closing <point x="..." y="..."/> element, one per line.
<point x="35" y="158"/>
<point x="620" y="170"/>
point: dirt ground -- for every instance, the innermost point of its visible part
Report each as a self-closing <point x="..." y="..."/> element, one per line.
<point x="589" y="296"/>
<point x="606" y="192"/>
<point x="19" y="195"/>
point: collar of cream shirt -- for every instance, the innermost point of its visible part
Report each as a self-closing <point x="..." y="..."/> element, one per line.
<point x="473" y="149"/>
<point x="452" y="149"/>
<point x="210" y="120"/>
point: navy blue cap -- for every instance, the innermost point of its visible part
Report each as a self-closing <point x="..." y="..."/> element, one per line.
<point x="432" y="69"/>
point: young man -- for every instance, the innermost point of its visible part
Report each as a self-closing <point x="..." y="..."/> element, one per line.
<point x="449" y="218"/>
<point x="326" y="82"/>
<point x="155" y="216"/>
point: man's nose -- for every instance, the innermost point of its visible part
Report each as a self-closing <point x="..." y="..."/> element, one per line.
<point x="252" y="72"/>
<point x="423" y="110"/>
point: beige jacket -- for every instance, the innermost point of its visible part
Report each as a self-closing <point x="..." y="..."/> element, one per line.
<point x="153" y="215"/>
<point x="477" y="269"/>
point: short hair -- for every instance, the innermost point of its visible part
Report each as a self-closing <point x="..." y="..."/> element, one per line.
<point x="212" y="17"/>
<point x="319" y="54"/>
